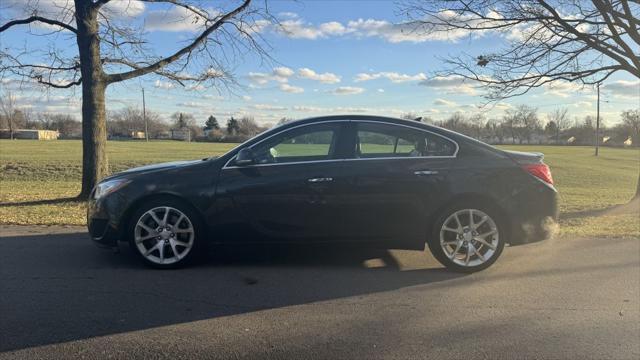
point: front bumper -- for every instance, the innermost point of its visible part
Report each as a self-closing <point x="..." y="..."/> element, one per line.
<point x="102" y="229"/>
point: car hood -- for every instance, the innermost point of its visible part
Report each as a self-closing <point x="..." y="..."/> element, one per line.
<point x="155" y="167"/>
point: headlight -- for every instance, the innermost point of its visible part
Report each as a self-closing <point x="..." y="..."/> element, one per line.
<point x="107" y="187"/>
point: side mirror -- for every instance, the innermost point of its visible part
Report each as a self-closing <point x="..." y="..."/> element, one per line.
<point x="244" y="157"/>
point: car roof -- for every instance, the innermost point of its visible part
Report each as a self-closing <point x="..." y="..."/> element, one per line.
<point x="384" y="119"/>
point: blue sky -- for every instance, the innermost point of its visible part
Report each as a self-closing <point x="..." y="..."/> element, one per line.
<point x="336" y="57"/>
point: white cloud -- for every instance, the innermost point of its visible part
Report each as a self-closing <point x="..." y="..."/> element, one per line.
<point x="64" y="10"/>
<point x="450" y="84"/>
<point x="366" y="77"/>
<point x="246" y="98"/>
<point x="287" y="14"/>
<point x="279" y="74"/>
<point x="308" y="108"/>
<point x="503" y="106"/>
<point x="623" y="88"/>
<point x="268" y="107"/>
<point x="583" y="104"/>
<point x="380" y="90"/>
<point x="291" y="89"/>
<point x="564" y="89"/>
<point x="443" y="102"/>
<point x="163" y="85"/>
<point x="212" y="97"/>
<point x="282" y="72"/>
<point x="128" y="8"/>
<point x="392" y="76"/>
<point x="333" y="28"/>
<point x="195" y="87"/>
<point x="401" y="32"/>
<point x="347" y="90"/>
<point x="296" y="28"/>
<point x="193" y="104"/>
<point x="259" y="78"/>
<point x="258" y="26"/>
<point x="60" y="104"/>
<point x="174" y="19"/>
<point x="327" y="78"/>
<point x="339" y="109"/>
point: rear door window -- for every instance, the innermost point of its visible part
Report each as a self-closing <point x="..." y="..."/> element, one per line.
<point x="375" y="140"/>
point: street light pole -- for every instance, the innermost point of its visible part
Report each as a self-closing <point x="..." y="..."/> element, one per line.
<point x="144" y="117"/>
<point x="598" y="121"/>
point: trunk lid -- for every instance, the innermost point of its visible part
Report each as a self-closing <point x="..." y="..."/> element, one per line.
<point x="524" y="158"/>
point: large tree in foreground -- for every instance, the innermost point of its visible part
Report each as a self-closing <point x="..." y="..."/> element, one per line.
<point x="545" y="42"/>
<point x="111" y="47"/>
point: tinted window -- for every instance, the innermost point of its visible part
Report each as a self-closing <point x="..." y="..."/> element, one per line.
<point x="307" y="143"/>
<point x="383" y="140"/>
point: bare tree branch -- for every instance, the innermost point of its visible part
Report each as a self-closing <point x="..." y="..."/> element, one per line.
<point x="36" y="18"/>
<point x="59" y="86"/>
<point x="583" y="42"/>
<point x="184" y="51"/>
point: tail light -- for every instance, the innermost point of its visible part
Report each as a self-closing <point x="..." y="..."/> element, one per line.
<point x="541" y="171"/>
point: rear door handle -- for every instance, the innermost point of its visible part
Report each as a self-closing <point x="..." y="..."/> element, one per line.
<point x="425" y="172"/>
<point x="320" y="179"/>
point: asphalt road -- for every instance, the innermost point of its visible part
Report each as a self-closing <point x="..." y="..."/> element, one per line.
<point x="60" y="297"/>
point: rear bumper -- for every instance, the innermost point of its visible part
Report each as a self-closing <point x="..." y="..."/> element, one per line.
<point x="534" y="216"/>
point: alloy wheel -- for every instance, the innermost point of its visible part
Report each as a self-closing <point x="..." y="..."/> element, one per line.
<point x="164" y="235"/>
<point x="469" y="237"/>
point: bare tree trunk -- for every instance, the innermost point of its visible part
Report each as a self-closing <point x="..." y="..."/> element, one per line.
<point x="10" y="121"/>
<point x="94" y="129"/>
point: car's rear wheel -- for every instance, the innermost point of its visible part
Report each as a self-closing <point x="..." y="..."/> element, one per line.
<point x="467" y="238"/>
<point x="165" y="233"/>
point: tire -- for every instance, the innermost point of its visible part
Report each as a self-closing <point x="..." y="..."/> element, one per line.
<point x="166" y="241"/>
<point x="464" y="247"/>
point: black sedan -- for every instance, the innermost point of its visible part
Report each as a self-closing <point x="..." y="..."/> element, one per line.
<point x="367" y="180"/>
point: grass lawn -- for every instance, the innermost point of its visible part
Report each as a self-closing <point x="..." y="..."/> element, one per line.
<point x="38" y="170"/>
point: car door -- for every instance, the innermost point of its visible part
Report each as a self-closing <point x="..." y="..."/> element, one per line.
<point x="289" y="192"/>
<point x="396" y="177"/>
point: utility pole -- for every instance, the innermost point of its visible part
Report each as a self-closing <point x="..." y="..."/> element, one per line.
<point x="144" y="117"/>
<point x="598" y="120"/>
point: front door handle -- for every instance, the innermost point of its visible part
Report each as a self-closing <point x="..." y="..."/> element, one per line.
<point x="425" y="172"/>
<point x="320" y="179"/>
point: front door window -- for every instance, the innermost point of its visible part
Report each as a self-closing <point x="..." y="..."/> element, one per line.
<point x="307" y="143"/>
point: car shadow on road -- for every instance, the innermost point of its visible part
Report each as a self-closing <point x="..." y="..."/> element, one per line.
<point x="59" y="288"/>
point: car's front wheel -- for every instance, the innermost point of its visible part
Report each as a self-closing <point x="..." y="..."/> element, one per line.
<point x="165" y="233"/>
<point x="467" y="238"/>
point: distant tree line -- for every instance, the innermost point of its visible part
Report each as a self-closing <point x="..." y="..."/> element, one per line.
<point x="519" y="125"/>
<point x="523" y="125"/>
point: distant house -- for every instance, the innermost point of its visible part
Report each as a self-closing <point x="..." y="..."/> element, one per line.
<point x="181" y="134"/>
<point x="30" y="134"/>
<point x="137" y="135"/>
